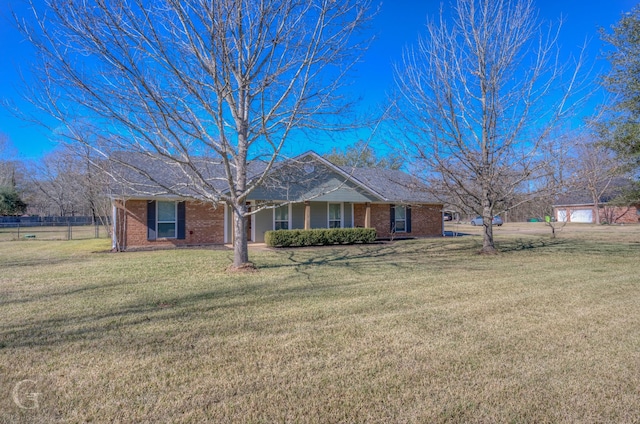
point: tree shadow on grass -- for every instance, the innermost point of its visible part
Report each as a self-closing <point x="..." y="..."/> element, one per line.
<point x="249" y="296"/>
<point x="77" y="323"/>
<point x="52" y="295"/>
<point x="529" y="244"/>
<point x="401" y="256"/>
<point x="563" y="245"/>
<point x="156" y="318"/>
<point x="34" y="262"/>
<point x="357" y="259"/>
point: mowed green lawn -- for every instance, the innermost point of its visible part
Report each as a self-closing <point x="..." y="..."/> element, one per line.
<point x="411" y="331"/>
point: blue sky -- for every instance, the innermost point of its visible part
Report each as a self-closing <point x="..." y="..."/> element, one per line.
<point x="396" y="26"/>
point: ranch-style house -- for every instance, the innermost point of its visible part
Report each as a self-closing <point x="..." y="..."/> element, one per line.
<point x="155" y="203"/>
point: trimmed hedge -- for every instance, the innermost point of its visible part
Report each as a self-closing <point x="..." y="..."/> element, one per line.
<point x="319" y="237"/>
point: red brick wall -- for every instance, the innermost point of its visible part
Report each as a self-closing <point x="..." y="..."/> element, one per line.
<point x="358" y="214"/>
<point x="620" y="214"/>
<point x="426" y="220"/>
<point x="204" y="224"/>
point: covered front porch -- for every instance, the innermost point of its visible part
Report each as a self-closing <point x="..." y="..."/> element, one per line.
<point x="305" y="215"/>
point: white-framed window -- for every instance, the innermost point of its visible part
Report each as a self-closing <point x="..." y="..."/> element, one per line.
<point x="400" y="219"/>
<point x="166" y="222"/>
<point x="281" y="218"/>
<point x="335" y="215"/>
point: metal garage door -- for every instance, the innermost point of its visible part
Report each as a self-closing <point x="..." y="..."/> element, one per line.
<point x="562" y="215"/>
<point x="582" y="215"/>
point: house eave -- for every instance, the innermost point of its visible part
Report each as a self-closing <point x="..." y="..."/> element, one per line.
<point x="167" y="197"/>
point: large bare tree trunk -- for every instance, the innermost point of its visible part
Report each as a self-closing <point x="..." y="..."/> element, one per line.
<point x="240" y="250"/>
<point x="488" y="245"/>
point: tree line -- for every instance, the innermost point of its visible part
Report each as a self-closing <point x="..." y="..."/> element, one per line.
<point x="65" y="182"/>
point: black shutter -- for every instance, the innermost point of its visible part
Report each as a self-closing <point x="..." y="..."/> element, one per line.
<point x="392" y="214"/>
<point x="181" y="219"/>
<point x="151" y="220"/>
<point x="408" y="217"/>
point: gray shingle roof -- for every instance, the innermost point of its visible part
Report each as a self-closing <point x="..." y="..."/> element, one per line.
<point x="394" y="186"/>
<point x="148" y="176"/>
<point x="141" y="175"/>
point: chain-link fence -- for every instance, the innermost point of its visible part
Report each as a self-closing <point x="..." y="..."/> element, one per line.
<point x="47" y="230"/>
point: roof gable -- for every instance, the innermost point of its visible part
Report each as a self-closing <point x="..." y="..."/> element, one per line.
<point x="310" y="177"/>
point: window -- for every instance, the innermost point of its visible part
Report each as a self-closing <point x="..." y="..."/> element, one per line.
<point x="335" y="215"/>
<point x="281" y="218"/>
<point x="166" y="223"/>
<point x="400" y="219"/>
<point x="166" y="220"/>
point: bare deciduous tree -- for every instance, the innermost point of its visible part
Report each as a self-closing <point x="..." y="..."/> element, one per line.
<point x="481" y="96"/>
<point x="56" y="183"/>
<point x="225" y="80"/>
<point x="70" y="182"/>
<point x="8" y="164"/>
<point x="596" y="168"/>
<point x="362" y="155"/>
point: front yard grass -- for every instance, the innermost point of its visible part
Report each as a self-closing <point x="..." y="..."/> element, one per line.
<point x="411" y="331"/>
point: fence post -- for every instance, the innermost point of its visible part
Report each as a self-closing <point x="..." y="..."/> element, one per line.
<point x="69" y="231"/>
<point x="97" y="230"/>
<point x="18" y="230"/>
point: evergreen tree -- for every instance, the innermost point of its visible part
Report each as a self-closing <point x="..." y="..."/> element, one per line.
<point x="621" y="128"/>
<point x="10" y="202"/>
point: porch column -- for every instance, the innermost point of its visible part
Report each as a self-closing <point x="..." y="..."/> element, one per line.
<point x="233" y="227"/>
<point x="307" y="215"/>
<point x="367" y="215"/>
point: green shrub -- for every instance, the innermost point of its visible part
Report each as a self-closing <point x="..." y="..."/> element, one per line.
<point x="318" y="237"/>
